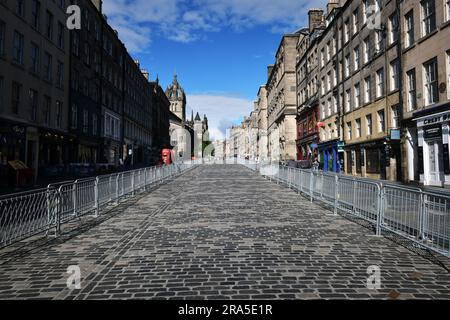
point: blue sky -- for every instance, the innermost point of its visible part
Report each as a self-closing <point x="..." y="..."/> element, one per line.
<point x="220" y="49"/>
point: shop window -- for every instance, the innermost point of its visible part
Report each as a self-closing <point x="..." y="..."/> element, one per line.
<point x="409" y="25"/>
<point x="431" y="82"/>
<point x="373" y="157"/>
<point x="412" y="94"/>
<point x="428" y="16"/>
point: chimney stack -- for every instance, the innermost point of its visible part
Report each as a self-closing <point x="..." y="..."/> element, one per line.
<point x="332" y="4"/>
<point x="316" y="18"/>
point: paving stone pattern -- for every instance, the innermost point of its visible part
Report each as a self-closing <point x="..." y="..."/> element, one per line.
<point x="223" y="232"/>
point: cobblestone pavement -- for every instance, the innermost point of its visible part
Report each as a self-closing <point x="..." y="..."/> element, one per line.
<point x="223" y="232"/>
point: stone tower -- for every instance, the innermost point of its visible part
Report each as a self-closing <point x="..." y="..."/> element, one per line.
<point x="177" y="97"/>
<point x="198" y="136"/>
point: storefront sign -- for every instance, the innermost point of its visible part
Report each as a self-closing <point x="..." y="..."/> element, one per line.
<point x="432" y="133"/>
<point x="434" y="119"/>
<point x="395" y="134"/>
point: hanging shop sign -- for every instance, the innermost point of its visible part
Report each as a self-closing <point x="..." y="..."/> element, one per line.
<point x="395" y="134"/>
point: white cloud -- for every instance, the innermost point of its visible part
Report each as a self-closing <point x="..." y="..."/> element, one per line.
<point x="136" y="37"/>
<point x="222" y="111"/>
<point x="186" y="20"/>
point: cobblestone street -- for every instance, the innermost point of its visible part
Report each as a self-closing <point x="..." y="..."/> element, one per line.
<point x="223" y="232"/>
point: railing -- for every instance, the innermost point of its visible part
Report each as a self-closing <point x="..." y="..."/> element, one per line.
<point x="27" y="214"/>
<point x="419" y="216"/>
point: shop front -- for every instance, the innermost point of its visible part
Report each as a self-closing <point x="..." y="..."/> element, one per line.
<point x="54" y="152"/>
<point x="329" y="156"/>
<point x="111" y="152"/>
<point x="307" y="148"/>
<point x="433" y="148"/>
<point x="377" y="159"/>
<point x="13" y="138"/>
<point x="307" y="133"/>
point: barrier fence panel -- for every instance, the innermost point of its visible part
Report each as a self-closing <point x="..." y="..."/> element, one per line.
<point x="420" y="216"/>
<point x="27" y="214"/>
<point x="328" y="188"/>
<point x="366" y="200"/>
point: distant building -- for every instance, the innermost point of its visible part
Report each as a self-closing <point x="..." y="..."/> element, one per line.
<point x="184" y="133"/>
<point x="261" y="107"/>
<point x="308" y="88"/>
<point x="282" y="100"/>
<point x="160" y="118"/>
<point x="219" y="149"/>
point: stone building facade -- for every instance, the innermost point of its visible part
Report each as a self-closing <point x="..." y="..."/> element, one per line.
<point x="85" y="99"/>
<point x="359" y="93"/>
<point x="137" y="129"/>
<point x="34" y="85"/>
<point x="307" y="70"/>
<point x="426" y="91"/>
<point x="378" y="75"/>
<point x="262" y="133"/>
<point x="282" y="101"/>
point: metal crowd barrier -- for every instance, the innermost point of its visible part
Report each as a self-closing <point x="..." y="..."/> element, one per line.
<point x="23" y="215"/>
<point x="419" y="216"/>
